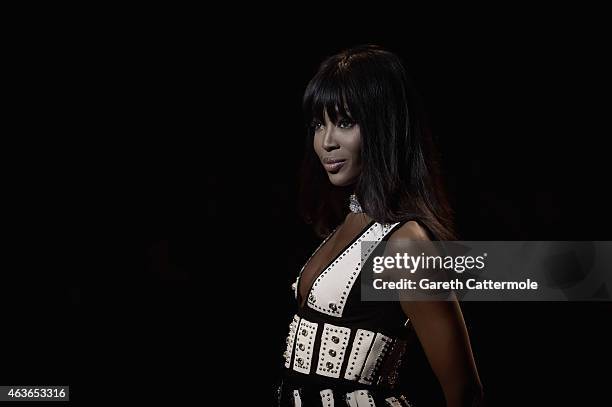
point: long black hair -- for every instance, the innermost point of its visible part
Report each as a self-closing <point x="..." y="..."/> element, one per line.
<point x="400" y="176"/>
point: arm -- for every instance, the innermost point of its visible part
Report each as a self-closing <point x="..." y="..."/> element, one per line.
<point x="443" y="335"/>
<point x="441" y="330"/>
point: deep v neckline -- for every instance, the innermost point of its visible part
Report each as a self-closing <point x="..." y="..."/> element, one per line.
<point x="302" y="301"/>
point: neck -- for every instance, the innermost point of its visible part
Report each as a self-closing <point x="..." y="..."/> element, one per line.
<point x="347" y="189"/>
<point x="342" y="193"/>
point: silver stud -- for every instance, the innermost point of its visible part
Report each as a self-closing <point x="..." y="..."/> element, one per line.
<point x="304" y="332"/>
<point x="333" y="306"/>
<point x="329" y="365"/>
<point x="335" y="339"/>
<point x="332" y="353"/>
<point x="301" y="346"/>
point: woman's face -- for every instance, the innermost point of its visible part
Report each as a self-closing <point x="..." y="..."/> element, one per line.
<point x="339" y="149"/>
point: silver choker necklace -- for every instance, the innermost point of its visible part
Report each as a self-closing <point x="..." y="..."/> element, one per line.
<point x="354" y="204"/>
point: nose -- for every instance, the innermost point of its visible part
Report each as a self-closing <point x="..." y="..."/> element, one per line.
<point x="329" y="139"/>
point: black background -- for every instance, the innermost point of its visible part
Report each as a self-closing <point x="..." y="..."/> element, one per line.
<point x="156" y="233"/>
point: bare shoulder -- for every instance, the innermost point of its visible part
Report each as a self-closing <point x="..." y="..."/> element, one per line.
<point x="410" y="230"/>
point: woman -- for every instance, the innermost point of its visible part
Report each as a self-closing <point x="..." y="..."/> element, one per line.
<point x="371" y="176"/>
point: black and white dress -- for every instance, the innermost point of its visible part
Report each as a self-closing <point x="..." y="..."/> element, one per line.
<point x="342" y="351"/>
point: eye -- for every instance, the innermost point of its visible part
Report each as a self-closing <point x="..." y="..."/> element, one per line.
<point x="316" y="125"/>
<point x="345" y="123"/>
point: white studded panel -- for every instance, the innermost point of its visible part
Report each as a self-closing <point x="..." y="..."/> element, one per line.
<point x="405" y="401"/>
<point x="304" y="344"/>
<point x="297" y="400"/>
<point x="334" y="343"/>
<point x="294" y="287"/>
<point x="393" y="402"/>
<point x="350" y="399"/>
<point x="327" y="398"/>
<point x="330" y="289"/>
<point x="379" y="349"/>
<point x="290" y="338"/>
<point x="359" y="352"/>
<point x="360" y="398"/>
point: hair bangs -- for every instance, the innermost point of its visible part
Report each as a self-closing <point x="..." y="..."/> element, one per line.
<point x="326" y="92"/>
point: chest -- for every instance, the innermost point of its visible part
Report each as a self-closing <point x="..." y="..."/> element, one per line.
<point x="328" y="278"/>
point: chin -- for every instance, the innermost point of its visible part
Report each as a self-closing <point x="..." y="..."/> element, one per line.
<point x="340" y="180"/>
